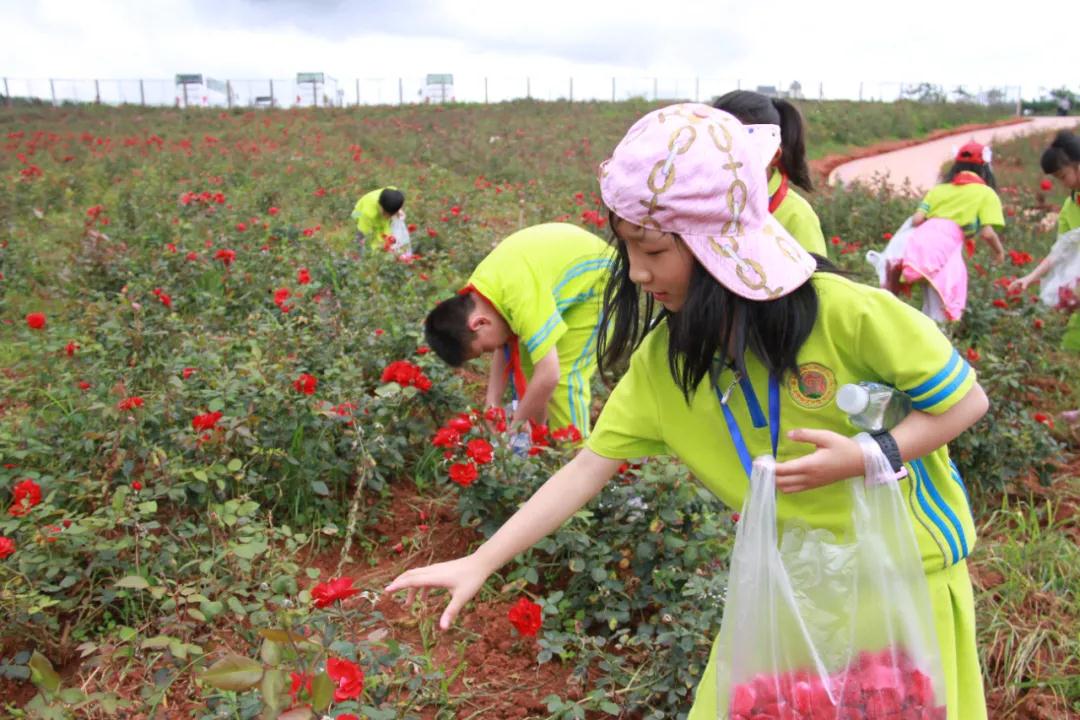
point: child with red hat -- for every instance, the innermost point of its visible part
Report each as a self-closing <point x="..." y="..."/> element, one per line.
<point x="961" y="208"/>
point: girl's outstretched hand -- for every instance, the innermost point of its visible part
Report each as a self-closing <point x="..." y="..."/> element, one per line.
<point x="837" y="457"/>
<point x="462" y="577"/>
<point x="1020" y="284"/>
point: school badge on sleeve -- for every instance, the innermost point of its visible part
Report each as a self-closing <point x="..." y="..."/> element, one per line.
<point x="814" y="386"/>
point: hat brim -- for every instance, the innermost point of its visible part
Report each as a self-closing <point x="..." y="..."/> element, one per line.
<point x="763" y="264"/>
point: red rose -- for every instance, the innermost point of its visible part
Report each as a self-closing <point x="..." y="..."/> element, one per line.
<point x="303" y="277"/>
<point x="497" y="417"/>
<point x="165" y="299"/>
<point x="332" y="590"/>
<point x="480" y="450"/>
<point x="35" y="320"/>
<point x="24" y="495"/>
<point x="539" y="434"/>
<point x="463" y="473"/>
<point x="835" y="239"/>
<point x="187" y="372"/>
<point x="225" y="256"/>
<point x="446" y="438"/>
<point x="348" y="679"/>
<point x="280" y="297"/>
<point x="70" y="348"/>
<point x="192" y="255"/>
<point x="7" y="547"/>
<point x="274" y="211"/>
<point x="1000" y="303"/>
<point x="205" y="422"/>
<point x="306" y="384"/>
<point x="136" y="486"/>
<point x="526" y="616"/>
<point x="972" y="355"/>
<point x="423" y="350"/>
<point x="83" y="385"/>
<point x="406" y="374"/>
<point x="461" y="423"/>
<point x="1045" y="185"/>
<point x="1037" y="323"/>
<point x="886" y="236"/>
<point x="130" y="403"/>
<point x="1044" y="419"/>
<point x="569" y="433"/>
<point x="241" y="227"/>
<point x="300" y="681"/>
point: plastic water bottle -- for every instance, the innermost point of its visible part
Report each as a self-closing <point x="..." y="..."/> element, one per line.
<point x="873" y="407"/>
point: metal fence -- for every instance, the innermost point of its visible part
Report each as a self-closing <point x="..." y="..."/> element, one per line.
<point x="278" y="92"/>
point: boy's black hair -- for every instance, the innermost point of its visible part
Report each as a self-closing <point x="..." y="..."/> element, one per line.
<point x="712" y="319"/>
<point x="391" y="200"/>
<point x="753" y="108"/>
<point x="446" y="329"/>
<point x="1064" y="151"/>
<point x="981" y="169"/>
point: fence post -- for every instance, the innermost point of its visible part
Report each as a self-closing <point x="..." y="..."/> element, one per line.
<point x="528" y="88"/>
<point x="697" y="89"/>
<point x="52" y="89"/>
<point x="271" y="92"/>
<point x="315" y="94"/>
<point x="228" y="94"/>
<point x="571" y="89"/>
<point x="401" y="91"/>
<point x="97" y="92"/>
<point x="738" y="84"/>
<point x="821" y="91"/>
<point x="142" y="93"/>
<point x="485" y="91"/>
<point x="612" y="88"/>
<point x="184" y="86"/>
<point x="860" y="91"/>
<point x="7" y="94"/>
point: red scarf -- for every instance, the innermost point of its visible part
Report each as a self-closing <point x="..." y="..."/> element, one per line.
<point x="966" y="177"/>
<point x="781" y="192"/>
<point x="513" y="352"/>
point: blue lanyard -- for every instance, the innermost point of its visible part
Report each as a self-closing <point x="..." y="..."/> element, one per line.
<point x="756" y="417"/>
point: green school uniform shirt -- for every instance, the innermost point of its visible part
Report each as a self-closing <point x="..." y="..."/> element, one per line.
<point x="369" y="216"/>
<point x="798" y="218"/>
<point x="1069" y="217"/>
<point x="861" y="333"/>
<point x="970" y="206"/>
<point x="547" y="281"/>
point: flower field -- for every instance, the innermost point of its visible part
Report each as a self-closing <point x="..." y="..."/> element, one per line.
<point x="221" y="434"/>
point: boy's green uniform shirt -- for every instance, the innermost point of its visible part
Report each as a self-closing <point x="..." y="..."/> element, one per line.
<point x="369" y="215"/>
<point x="547" y="282"/>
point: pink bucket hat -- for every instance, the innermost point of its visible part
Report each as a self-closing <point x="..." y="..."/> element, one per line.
<point x="697" y="172"/>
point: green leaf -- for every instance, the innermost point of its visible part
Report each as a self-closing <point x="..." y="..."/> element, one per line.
<point x="197" y="614"/>
<point x="136" y="582"/>
<point x="599" y="574"/>
<point x="158" y="641"/>
<point x="249" y="551"/>
<point x="42" y="673"/>
<point x="235" y="605"/>
<point x="319" y="488"/>
<point x="322" y="691"/>
<point x="576" y="564"/>
<point x="388" y="390"/>
<point x="233" y="672"/>
<point x="235" y="464"/>
<point x="72" y="695"/>
<point x="610" y="708"/>
<point x="273" y="688"/>
<point x="281" y="636"/>
<point x="270" y="652"/>
<point x="216" y="404"/>
<point x="148" y="507"/>
<point x="201" y="475"/>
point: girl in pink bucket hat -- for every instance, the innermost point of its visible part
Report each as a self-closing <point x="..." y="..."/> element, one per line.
<point x="737" y="340"/>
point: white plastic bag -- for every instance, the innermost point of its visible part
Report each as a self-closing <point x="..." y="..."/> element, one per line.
<point x="400" y="230"/>
<point x="893" y="252"/>
<point x="1064" y="268"/>
<point x="829" y="628"/>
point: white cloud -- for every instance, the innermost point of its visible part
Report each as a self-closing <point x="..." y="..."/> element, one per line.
<point x="839" y="44"/>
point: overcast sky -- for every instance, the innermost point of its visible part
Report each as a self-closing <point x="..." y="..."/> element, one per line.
<point x="755" y="41"/>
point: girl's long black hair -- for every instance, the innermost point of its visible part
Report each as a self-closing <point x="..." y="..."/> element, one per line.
<point x="1064" y="151"/>
<point x="751" y="108"/>
<point x="711" y="320"/>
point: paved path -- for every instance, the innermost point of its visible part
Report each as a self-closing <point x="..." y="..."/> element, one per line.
<point x="920" y="164"/>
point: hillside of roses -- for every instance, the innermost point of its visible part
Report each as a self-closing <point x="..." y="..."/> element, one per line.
<point x="221" y="432"/>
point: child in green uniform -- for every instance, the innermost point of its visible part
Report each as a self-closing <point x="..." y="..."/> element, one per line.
<point x="374" y="212"/>
<point x="756" y="337"/>
<point x="788" y="166"/>
<point x="1060" y="270"/>
<point x="534" y="302"/>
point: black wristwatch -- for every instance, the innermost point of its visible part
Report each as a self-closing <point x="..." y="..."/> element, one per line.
<point x="888" y="446"/>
